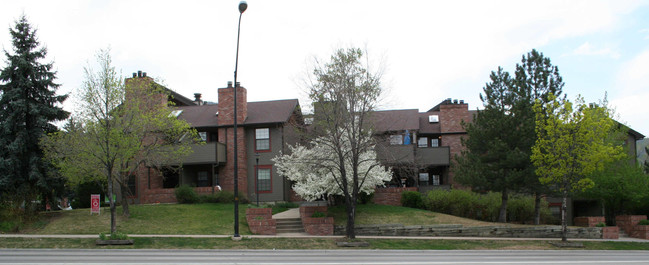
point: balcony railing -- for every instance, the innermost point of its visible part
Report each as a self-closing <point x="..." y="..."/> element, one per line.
<point x="434" y="156"/>
<point x="395" y="154"/>
<point x="209" y="153"/>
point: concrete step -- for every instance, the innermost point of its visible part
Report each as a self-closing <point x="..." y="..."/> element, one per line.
<point x="292" y="225"/>
<point x="282" y="231"/>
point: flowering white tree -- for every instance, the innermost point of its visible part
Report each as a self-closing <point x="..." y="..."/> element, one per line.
<point x="317" y="172"/>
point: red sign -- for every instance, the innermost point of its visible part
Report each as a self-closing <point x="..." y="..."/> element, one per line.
<point x="94" y="203"/>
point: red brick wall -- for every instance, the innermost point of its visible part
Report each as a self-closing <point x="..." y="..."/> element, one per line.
<point x="226" y="105"/>
<point x="322" y="226"/>
<point x="640" y="231"/>
<point x="260" y="221"/>
<point x="450" y="119"/>
<point x="390" y="196"/>
<point x="627" y="222"/>
<point x="226" y="135"/>
<point x="610" y="232"/>
<point x="226" y="173"/>
<point x="589" y="221"/>
<point x="167" y="195"/>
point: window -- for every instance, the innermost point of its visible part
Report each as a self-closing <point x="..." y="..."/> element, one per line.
<point x="201" y="177"/>
<point x="132" y="188"/>
<point x="203" y="136"/>
<point x="264" y="179"/>
<point x="434" y="142"/>
<point x="396" y="139"/>
<point x="262" y="139"/>
<point x="422" y="142"/>
<point x="423" y="179"/>
<point x="435" y="180"/>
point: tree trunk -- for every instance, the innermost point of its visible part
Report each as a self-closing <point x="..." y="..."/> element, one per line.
<point x="113" y="225"/>
<point x="564" y="221"/>
<point x="351" y="214"/>
<point x="502" y="217"/>
<point x="537" y="208"/>
<point x="125" y="211"/>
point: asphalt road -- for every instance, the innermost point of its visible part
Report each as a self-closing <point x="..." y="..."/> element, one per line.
<point x="413" y="257"/>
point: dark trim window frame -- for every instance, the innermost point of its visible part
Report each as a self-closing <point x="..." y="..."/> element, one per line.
<point x="132" y="186"/>
<point x="262" y="140"/>
<point x="264" y="177"/>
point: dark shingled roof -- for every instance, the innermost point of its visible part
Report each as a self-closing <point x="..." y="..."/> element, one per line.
<point x="276" y="111"/>
<point x="427" y="127"/>
<point x="395" y="120"/>
<point x="199" y="116"/>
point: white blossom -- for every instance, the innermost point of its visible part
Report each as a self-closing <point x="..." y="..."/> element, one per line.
<point x="316" y="170"/>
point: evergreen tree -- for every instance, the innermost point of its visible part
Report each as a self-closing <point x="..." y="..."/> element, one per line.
<point x="501" y="136"/>
<point x="28" y="106"/>
<point x="536" y="79"/>
<point x="494" y="159"/>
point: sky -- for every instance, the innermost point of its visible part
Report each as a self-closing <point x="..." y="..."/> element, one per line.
<point x="427" y="50"/>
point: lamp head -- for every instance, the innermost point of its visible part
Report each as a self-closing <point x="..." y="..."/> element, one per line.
<point x="242" y="6"/>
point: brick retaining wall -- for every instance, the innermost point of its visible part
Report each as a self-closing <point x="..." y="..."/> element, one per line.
<point x="321" y="226"/>
<point x="390" y="196"/>
<point x="260" y="221"/>
<point x="627" y="222"/>
<point x="589" y="221"/>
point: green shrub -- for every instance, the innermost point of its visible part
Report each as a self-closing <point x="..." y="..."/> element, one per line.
<point x="520" y="208"/>
<point x="600" y="224"/>
<point x="225" y="197"/>
<point x="317" y="214"/>
<point x="484" y="207"/>
<point x="186" y="194"/>
<point x="643" y="222"/>
<point x="364" y="198"/>
<point x="412" y="199"/>
<point x="208" y="198"/>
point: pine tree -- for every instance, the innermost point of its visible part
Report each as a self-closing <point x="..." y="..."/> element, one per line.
<point x="28" y="106"/>
<point x="493" y="159"/>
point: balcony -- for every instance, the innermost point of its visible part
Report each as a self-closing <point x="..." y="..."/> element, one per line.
<point x="433" y="156"/>
<point x="395" y="154"/>
<point x="208" y="153"/>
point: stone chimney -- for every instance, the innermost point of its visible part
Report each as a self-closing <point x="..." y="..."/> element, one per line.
<point x="226" y="104"/>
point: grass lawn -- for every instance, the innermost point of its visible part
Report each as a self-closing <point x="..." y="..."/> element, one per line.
<point x="218" y="219"/>
<point x="367" y="214"/>
<point x="192" y="219"/>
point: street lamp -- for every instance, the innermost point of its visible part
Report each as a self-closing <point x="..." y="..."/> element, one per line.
<point x="242" y="7"/>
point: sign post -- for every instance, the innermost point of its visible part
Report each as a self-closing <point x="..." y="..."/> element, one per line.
<point x="94" y="204"/>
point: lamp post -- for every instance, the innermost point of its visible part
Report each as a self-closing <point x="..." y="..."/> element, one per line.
<point x="257" y="178"/>
<point x="242" y="7"/>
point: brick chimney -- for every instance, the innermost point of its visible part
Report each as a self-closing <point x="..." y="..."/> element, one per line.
<point x="139" y="87"/>
<point x="226" y="135"/>
<point x="226" y="104"/>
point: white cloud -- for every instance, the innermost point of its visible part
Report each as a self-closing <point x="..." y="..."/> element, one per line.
<point x="587" y="49"/>
<point x="645" y="31"/>
<point x="631" y="95"/>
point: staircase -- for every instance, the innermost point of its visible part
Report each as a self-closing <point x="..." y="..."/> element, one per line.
<point x="289" y="225"/>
